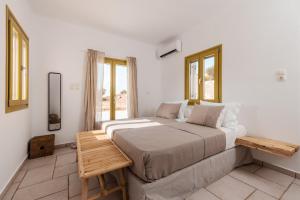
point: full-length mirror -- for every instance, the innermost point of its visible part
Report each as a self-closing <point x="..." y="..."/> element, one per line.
<point x="54" y="101"/>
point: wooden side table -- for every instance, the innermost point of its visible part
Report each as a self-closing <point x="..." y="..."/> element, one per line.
<point x="98" y="155"/>
<point x="268" y="145"/>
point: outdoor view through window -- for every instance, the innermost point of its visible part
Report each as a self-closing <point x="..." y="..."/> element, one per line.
<point x="114" y="93"/>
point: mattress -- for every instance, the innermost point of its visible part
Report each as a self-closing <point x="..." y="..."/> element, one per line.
<point x="160" y="147"/>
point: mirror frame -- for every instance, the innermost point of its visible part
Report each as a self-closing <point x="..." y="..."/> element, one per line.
<point x="49" y="74"/>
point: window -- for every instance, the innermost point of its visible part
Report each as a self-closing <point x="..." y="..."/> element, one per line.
<point x="17" y="51"/>
<point x="203" y="76"/>
<point x="114" y="90"/>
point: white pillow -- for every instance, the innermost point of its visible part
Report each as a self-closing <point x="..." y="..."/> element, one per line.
<point x="229" y="113"/>
<point x="183" y="106"/>
<point x="188" y="111"/>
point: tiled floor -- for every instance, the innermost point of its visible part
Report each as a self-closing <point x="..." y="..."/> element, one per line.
<point x="55" y="178"/>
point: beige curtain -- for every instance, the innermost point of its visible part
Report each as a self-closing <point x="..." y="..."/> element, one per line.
<point x="94" y="60"/>
<point x="132" y="88"/>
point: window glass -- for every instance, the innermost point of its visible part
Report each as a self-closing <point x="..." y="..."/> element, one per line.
<point x="194" y="69"/>
<point x="24" y="69"/>
<point x="121" y="92"/>
<point x="209" y="78"/>
<point x="106" y="93"/>
<point x="15" y="64"/>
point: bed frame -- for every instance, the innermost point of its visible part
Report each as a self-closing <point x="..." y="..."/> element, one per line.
<point x="183" y="183"/>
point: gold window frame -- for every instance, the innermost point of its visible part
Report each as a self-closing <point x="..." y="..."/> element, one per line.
<point x="199" y="57"/>
<point x="19" y="103"/>
<point x="113" y="62"/>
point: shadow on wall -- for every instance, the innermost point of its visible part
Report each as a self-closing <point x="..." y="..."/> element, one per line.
<point x="248" y="117"/>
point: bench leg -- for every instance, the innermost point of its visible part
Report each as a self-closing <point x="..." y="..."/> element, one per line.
<point x="84" y="188"/>
<point x="103" y="191"/>
<point x="123" y="184"/>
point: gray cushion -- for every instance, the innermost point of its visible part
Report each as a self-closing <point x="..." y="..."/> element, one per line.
<point x="168" y="110"/>
<point x="205" y="115"/>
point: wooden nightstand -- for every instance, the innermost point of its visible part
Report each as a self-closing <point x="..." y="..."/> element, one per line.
<point x="268" y="145"/>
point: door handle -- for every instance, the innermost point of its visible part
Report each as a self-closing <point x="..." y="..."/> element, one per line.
<point x="200" y="80"/>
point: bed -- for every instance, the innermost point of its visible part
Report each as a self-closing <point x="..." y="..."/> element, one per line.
<point x="163" y="150"/>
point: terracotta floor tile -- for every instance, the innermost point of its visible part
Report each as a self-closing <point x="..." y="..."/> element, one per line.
<point x="42" y="190"/>
<point x="65" y="159"/>
<point x="258" y="182"/>
<point x="293" y="193"/>
<point x="65" y="150"/>
<point x="39" y="162"/>
<point x="259" y="195"/>
<point x="57" y="196"/>
<point x="228" y="188"/>
<point x="65" y="170"/>
<point x="275" y="176"/>
<point x="75" y="184"/>
<point x="37" y="175"/>
<point x="11" y="191"/>
<point x="202" y="194"/>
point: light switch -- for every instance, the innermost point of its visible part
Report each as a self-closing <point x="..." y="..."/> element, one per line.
<point x="281" y="74"/>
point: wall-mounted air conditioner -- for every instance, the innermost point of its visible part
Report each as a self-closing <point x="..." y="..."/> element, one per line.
<point x="170" y="48"/>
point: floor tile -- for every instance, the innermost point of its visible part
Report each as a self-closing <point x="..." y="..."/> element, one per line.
<point x="20" y="176"/>
<point x="293" y="193"/>
<point x="251" y="167"/>
<point x="65" y="159"/>
<point x="297" y="181"/>
<point x="39" y="162"/>
<point x="65" y="170"/>
<point x="275" y="176"/>
<point x="10" y="193"/>
<point x="64" y="150"/>
<point x="37" y="175"/>
<point x="228" y="188"/>
<point x="57" y="196"/>
<point x="258" y="182"/>
<point x="75" y="184"/>
<point x="259" y="195"/>
<point x="113" y="196"/>
<point x="42" y="190"/>
<point x="202" y="194"/>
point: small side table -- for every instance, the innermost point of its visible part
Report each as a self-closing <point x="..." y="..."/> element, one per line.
<point x="268" y="145"/>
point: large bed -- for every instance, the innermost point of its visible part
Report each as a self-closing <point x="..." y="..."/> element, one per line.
<point x="162" y="149"/>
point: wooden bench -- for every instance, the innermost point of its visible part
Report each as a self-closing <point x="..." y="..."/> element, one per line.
<point x="98" y="155"/>
<point x="268" y="145"/>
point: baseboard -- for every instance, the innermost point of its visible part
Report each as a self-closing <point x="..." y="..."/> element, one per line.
<point x="277" y="168"/>
<point x="12" y="179"/>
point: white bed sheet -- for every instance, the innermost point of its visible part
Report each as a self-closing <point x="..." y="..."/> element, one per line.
<point x="232" y="134"/>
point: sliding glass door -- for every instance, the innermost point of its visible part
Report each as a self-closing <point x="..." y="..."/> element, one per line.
<point x="115" y="90"/>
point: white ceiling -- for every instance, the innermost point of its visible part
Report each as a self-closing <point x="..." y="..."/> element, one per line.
<point x="151" y="21"/>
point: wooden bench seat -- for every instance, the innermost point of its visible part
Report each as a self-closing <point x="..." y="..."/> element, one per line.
<point x="98" y="155"/>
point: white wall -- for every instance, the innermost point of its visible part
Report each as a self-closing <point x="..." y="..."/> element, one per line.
<point x="62" y="48"/>
<point x="258" y="38"/>
<point x="15" y="127"/>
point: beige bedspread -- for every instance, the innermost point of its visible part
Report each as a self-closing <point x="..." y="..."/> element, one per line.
<point x="160" y="147"/>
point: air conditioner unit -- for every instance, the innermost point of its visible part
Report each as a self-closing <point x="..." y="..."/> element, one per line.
<point x="169" y="48"/>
